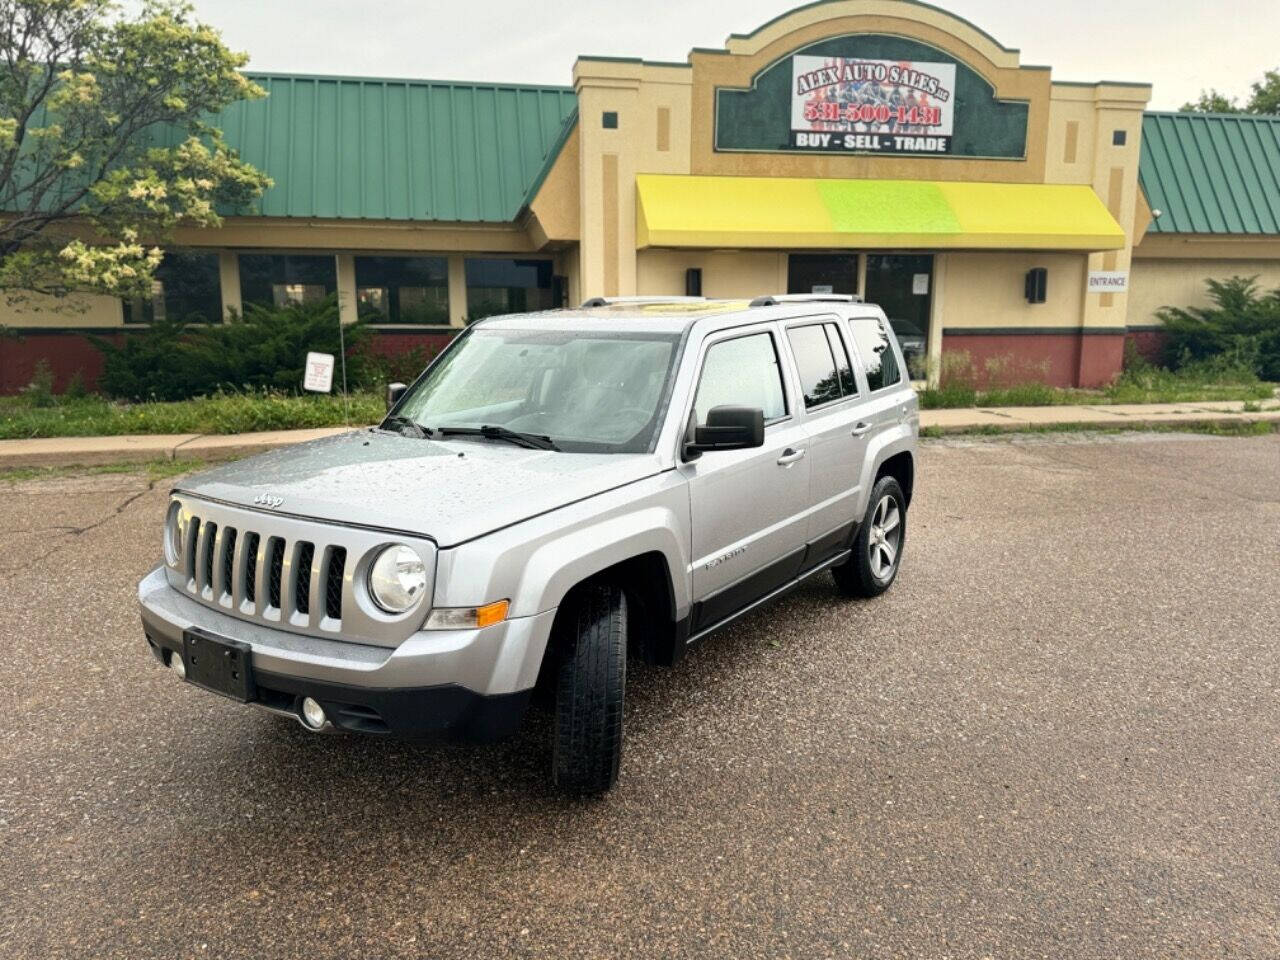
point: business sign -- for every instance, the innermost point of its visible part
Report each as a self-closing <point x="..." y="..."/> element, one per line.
<point x="1108" y="281"/>
<point x="876" y="106"/>
<point x="868" y="93"/>
<point x="318" y="375"/>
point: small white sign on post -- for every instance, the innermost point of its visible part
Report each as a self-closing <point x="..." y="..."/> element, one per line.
<point x="1108" y="281"/>
<point x="319" y="373"/>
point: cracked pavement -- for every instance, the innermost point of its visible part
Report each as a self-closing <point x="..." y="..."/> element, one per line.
<point x="1058" y="735"/>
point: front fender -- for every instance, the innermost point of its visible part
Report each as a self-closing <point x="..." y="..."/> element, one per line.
<point x="535" y="563"/>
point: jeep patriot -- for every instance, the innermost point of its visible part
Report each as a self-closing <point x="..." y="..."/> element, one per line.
<point x="556" y="492"/>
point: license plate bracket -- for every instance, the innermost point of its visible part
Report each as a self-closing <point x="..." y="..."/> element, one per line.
<point x="219" y="664"/>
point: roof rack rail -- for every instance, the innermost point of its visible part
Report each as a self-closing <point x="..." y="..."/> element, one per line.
<point x="774" y="299"/>
<point x="609" y="301"/>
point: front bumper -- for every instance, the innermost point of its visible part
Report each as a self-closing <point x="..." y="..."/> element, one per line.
<point x="446" y="681"/>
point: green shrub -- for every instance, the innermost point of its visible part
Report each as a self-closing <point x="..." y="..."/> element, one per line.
<point x="265" y="349"/>
<point x="380" y="369"/>
<point x="76" y="389"/>
<point x="39" y="392"/>
<point x="1241" y="330"/>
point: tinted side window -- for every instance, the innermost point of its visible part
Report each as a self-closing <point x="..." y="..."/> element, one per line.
<point x="815" y="364"/>
<point x="847" y="383"/>
<point x="877" y="354"/>
<point x="744" y="372"/>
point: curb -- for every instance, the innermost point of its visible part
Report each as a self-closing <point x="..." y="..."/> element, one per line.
<point x="99" y="451"/>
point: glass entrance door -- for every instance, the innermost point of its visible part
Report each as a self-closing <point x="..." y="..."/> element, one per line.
<point x="822" y="273"/>
<point x="902" y="284"/>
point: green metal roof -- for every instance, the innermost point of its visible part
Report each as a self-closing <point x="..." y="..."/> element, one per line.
<point x="375" y="149"/>
<point x="1211" y="172"/>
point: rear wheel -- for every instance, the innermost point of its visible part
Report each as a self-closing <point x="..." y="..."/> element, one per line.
<point x="877" y="549"/>
<point x="591" y="679"/>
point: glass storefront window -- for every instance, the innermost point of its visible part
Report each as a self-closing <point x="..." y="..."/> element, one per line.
<point x="281" y="279"/>
<point x="186" y="288"/>
<point x="403" y="289"/>
<point x="507" y="286"/>
<point x="902" y="284"/>
<point x="822" y="273"/>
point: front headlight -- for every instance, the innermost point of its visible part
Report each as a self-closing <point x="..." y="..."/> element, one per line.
<point x="397" y="578"/>
<point x="173" y="534"/>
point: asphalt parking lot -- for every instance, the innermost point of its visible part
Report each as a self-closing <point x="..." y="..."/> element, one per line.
<point x="1057" y="736"/>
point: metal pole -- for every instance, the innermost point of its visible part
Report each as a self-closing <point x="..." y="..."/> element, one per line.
<point x="342" y="350"/>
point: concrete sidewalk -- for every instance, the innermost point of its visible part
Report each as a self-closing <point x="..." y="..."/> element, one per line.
<point x="90" y="451"/>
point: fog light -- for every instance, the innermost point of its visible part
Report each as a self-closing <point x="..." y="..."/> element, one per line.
<point x="177" y="666"/>
<point x="313" y="714"/>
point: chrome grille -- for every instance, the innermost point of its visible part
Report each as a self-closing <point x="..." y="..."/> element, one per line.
<point x="333" y="582"/>
<point x="287" y="573"/>
<point x="276" y="572"/>
<point x="306" y="554"/>
<point x="251" y="541"/>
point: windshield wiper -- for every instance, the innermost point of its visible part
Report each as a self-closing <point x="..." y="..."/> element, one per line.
<point x="406" y="426"/>
<point x="533" y="441"/>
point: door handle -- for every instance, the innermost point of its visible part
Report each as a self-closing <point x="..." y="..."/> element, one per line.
<point x="861" y="428"/>
<point x="789" y="456"/>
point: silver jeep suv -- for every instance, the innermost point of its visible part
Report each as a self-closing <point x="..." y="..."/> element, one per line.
<point x="556" y="492"/>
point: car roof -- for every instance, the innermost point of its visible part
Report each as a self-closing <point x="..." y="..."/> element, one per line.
<point x="670" y="316"/>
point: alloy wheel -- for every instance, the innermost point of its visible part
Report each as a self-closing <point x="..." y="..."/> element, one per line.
<point x="885" y="537"/>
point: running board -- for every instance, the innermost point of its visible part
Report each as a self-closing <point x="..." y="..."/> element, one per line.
<point x="771" y="595"/>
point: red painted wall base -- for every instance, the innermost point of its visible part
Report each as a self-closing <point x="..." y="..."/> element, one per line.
<point x="71" y="352"/>
<point x="1058" y="359"/>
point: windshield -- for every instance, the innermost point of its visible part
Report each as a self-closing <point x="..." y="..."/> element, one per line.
<point x="589" y="392"/>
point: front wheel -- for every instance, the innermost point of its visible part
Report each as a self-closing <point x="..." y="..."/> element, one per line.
<point x="877" y="548"/>
<point x="591" y="679"/>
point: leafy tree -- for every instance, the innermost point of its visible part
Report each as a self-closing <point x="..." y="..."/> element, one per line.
<point x="1266" y="94"/>
<point x="1265" y="99"/>
<point x="104" y="142"/>
<point x="1211" y="101"/>
<point x="1241" y="328"/>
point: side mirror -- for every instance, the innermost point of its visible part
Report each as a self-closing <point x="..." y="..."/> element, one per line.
<point x="728" y="428"/>
<point x="394" y="392"/>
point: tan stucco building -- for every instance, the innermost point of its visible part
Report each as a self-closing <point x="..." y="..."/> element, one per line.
<point x="881" y="147"/>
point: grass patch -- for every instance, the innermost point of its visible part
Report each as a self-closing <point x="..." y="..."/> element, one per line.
<point x="20" y="418"/>
<point x="1139" y="384"/>
<point x="151" y="469"/>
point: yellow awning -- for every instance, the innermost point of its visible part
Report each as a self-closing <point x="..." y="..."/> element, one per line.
<point x="788" y="213"/>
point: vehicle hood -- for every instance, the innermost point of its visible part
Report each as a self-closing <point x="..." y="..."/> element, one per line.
<point x="448" y="490"/>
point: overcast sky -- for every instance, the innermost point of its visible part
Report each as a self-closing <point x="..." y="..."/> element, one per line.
<point x="1179" y="46"/>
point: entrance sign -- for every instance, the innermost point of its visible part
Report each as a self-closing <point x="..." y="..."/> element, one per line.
<point x="318" y="376"/>
<point x="870" y="93"/>
<point x="878" y="106"/>
<point x="1108" y="281"/>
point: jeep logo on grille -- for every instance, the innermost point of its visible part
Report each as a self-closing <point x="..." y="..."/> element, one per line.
<point x="268" y="501"/>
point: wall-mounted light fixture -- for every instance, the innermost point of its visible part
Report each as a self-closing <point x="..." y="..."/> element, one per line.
<point x="1037" y="284"/>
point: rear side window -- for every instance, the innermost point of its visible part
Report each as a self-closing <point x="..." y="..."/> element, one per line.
<point x="815" y="364"/>
<point x="742" y="372"/>
<point x="844" y="367"/>
<point x="822" y="360"/>
<point x="878" y="359"/>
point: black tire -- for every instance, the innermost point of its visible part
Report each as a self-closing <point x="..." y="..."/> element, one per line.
<point x="858" y="576"/>
<point x="591" y="679"/>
